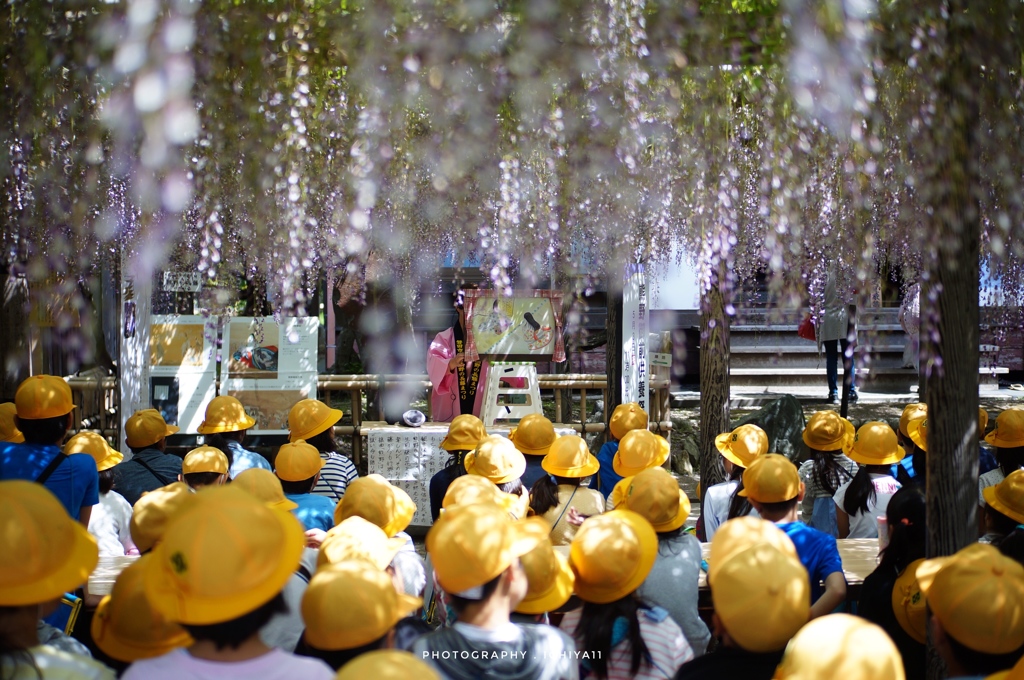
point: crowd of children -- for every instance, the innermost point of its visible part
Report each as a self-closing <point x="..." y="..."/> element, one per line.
<point x="250" y="570"/>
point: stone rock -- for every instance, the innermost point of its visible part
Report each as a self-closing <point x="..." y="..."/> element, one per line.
<point x="783" y="421"/>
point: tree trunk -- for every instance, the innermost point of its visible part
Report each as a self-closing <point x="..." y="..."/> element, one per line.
<point x="613" y="348"/>
<point x="714" y="382"/>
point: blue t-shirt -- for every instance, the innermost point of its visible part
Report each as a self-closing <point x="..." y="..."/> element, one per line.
<point x="606" y="476"/>
<point x="243" y="459"/>
<point x="314" y="511"/>
<point x="818" y="553"/>
<point x="75" y="482"/>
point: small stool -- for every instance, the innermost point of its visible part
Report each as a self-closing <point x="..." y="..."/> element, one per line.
<point x="497" y="406"/>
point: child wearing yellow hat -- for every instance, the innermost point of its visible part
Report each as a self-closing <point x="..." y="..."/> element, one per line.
<point x="772" y="483"/>
<point x="861" y="501"/>
<point x="828" y="468"/>
<point x="298" y="467"/>
<point x="9" y="431"/>
<point x="110" y="522"/>
<point x="533" y="436"/>
<point x="638" y="450"/>
<point x="218" y="572"/>
<point x="204" y="466"/>
<point x="1007" y="438"/>
<point x="739" y="448"/>
<point x="44" y="407"/>
<point x="387" y="664"/>
<point x="841" y="646"/>
<point x="224" y="426"/>
<point x="550" y="580"/>
<point x="464" y="433"/>
<point x="314" y="421"/>
<point x="1004" y="508"/>
<point x="571" y="467"/>
<point x="611" y="556"/>
<point x="150" y="466"/>
<point x="498" y="460"/>
<point x="625" y="418"/>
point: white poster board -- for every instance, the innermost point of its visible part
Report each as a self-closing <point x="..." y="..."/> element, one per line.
<point x="182" y="368"/>
<point x="634" y="337"/>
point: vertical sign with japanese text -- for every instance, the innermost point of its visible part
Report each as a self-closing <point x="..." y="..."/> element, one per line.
<point x="634" y="337"/>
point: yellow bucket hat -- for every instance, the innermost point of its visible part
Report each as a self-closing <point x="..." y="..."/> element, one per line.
<point x="908" y="603"/>
<point x="265" y="486"/>
<point x="917" y="430"/>
<point x="297" y="461"/>
<point x="94" y="445"/>
<point x="982" y="420"/>
<point x="827" y="431"/>
<point x="497" y="459"/>
<point x="387" y="664"/>
<point x="841" y="646"/>
<point x="570" y="457"/>
<point x="619" y="492"/>
<point x="626" y="418"/>
<point x="9" y="432"/>
<point x="127" y="628"/>
<point x="351" y="604"/>
<point x="43" y="396"/>
<point x="475" y="489"/>
<point x="742" y="445"/>
<point x="146" y="427"/>
<point x="1007" y="496"/>
<point x="875" y="444"/>
<point x="310" y="417"/>
<point x="225" y="414"/>
<point x="978" y="597"/>
<point x="912" y="412"/>
<point x="358" y="539"/>
<point x="639" y="450"/>
<point x="534" y="435"/>
<point x="465" y="432"/>
<point x="654" y="494"/>
<point x="205" y="459"/>
<point x="771" y="478"/>
<point x="549" y="575"/>
<point x="741" y="532"/>
<point x="762" y="595"/>
<point x="223" y="556"/>
<point x="376" y="499"/>
<point x="1008" y="432"/>
<point x="471" y="544"/>
<point x="45" y="552"/>
<point x="154" y="510"/>
<point x="611" y="555"/>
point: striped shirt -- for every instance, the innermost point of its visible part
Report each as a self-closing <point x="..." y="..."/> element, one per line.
<point x="814" y="490"/>
<point x="666" y="645"/>
<point x="335" y="476"/>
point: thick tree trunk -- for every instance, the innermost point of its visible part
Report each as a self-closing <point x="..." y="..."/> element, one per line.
<point x="714" y="383"/>
<point x="613" y="349"/>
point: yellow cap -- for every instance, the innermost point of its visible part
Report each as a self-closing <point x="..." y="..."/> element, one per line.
<point x="655" y="495"/>
<point x="875" y="444"/>
<point x="205" y="459"/>
<point x="471" y="544"/>
<point x="310" y="417"/>
<point x="618" y="495"/>
<point x="351" y="604"/>
<point x="626" y="418"/>
<point x="146" y="427"/>
<point x="359" y="539"/>
<point x="154" y="510"/>
<point x="771" y="478"/>
<point x="742" y="445"/>
<point x="265" y="487"/>
<point x="94" y="445"/>
<point x="225" y="414"/>
<point x="1007" y="496"/>
<point x="1015" y="673"/>
<point x="45" y="552"/>
<point x="534" y="435"/>
<point x="9" y="432"/>
<point x="497" y="459"/>
<point x="549" y="576"/>
<point x="127" y="628"/>
<point x="639" y="450"/>
<point x="224" y="555"/>
<point x="387" y="664"/>
<point x="376" y="499"/>
<point x="828" y="431"/>
<point x="570" y="457"/>
<point x="762" y="595"/>
<point x="741" y="532"/>
<point x="475" y="489"/>
<point x="978" y="597"/>
<point x="908" y="603"/>
<point x="913" y="412"/>
<point x="612" y="554"/>
<point x="297" y="461"/>
<point x="43" y="396"/>
<point x="982" y="420"/>
<point x="841" y="646"/>
<point x="917" y="430"/>
<point x="465" y="432"/>
<point x="1007" y="434"/>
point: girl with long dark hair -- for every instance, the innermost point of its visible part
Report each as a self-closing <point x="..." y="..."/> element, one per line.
<point x="862" y="500"/>
<point x="827" y="469"/>
<point x="566" y="486"/>
<point x="739" y="448"/>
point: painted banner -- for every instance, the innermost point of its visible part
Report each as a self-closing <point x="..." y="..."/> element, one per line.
<point x="182" y="369"/>
<point x="634" y="337"/>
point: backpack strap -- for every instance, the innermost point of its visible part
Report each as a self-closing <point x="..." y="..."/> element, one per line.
<point x="160" y="478"/>
<point x="54" y="464"/>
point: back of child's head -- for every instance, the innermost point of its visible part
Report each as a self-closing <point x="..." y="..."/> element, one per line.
<point x="625" y="418"/>
<point x="153" y="512"/>
<point x="827" y="431"/>
<point x="841" y="646"/>
<point x="1004" y="504"/>
<point x="464" y="433"/>
<point x="906" y="520"/>
<point x="204" y="466"/>
<point x="43" y="403"/>
<point x="297" y="465"/>
<point x="377" y="500"/>
<point x="639" y="450"/>
<point x="773" y="483"/>
<point x="874" y="448"/>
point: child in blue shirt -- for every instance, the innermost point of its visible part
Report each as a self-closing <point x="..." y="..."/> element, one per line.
<point x="624" y="418"/>
<point x="772" y="483"/>
<point x="298" y="466"/>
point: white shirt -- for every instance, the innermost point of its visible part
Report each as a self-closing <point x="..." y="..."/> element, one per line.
<point x="716" y="507"/>
<point x="54" y="664"/>
<point x="274" y="665"/>
<point x="283" y="630"/>
<point x="865" y="524"/>
<point x="665" y="642"/>
<point x="109" y="524"/>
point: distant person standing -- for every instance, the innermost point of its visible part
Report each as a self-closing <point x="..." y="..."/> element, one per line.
<point x="457" y="386"/>
<point x="832" y="335"/>
<point x="910" y="321"/>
